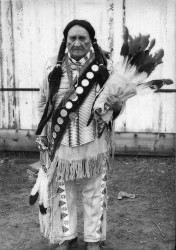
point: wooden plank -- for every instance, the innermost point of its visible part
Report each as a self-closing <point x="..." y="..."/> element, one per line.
<point x="10" y="117"/>
<point x="1" y="68"/>
<point x="149" y="113"/>
<point x="17" y="140"/>
<point x="152" y="113"/>
<point x="28" y="110"/>
<point x="4" y="62"/>
<point x="168" y="39"/>
<point x="110" y="13"/>
<point x="118" y="17"/>
<point x="145" y="144"/>
<point x="125" y="143"/>
<point x="10" y="70"/>
<point x="170" y="113"/>
<point x="17" y="11"/>
<point x="31" y="68"/>
<point x="99" y="19"/>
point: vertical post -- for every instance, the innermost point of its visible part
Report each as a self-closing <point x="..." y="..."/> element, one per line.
<point x="18" y="51"/>
<point x="110" y="13"/>
<point x="8" y="65"/>
<point x="124" y="13"/>
<point x="1" y="69"/>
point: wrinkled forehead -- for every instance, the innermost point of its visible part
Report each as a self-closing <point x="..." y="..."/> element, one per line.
<point x="78" y="30"/>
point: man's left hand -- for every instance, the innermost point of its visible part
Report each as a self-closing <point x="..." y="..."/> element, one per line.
<point x="114" y="103"/>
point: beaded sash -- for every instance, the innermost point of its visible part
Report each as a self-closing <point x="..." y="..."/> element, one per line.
<point x="66" y="110"/>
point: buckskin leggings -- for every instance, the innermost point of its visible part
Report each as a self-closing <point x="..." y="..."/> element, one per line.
<point x="64" y="209"/>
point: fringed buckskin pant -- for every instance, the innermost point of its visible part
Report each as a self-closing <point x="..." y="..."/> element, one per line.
<point x="63" y="213"/>
<point x="89" y="163"/>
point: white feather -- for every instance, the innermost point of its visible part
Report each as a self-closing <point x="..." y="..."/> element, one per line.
<point x="124" y="81"/>
<point x="139" y="78"/>
<point x="36" y="187"/>
<point x="130" y="71"/>
<point x="43" y="191"/>
<point x="121" y="65"/>
<point x="145" y="91"/>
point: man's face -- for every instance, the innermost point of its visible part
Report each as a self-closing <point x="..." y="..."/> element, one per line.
<point x="78" y="42"/>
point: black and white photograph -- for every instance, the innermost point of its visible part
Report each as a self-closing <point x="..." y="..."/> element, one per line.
<point x="87" y="124"/>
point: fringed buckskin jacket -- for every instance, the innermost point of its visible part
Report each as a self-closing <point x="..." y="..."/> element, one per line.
<point x="75" y="151"/>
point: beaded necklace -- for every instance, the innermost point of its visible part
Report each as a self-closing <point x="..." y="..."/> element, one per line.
<point x="73" y="66"/>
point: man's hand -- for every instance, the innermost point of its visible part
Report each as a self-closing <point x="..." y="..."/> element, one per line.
<point x="44" y="140"/>
<point x="114" y="103"/>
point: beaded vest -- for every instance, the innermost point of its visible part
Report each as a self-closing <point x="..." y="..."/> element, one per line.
<point x="77" y="133"/>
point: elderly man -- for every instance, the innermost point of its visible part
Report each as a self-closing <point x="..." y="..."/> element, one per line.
<point x="78" y="143"/>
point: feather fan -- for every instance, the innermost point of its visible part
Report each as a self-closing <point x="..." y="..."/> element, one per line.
<point x="128" y="78"/>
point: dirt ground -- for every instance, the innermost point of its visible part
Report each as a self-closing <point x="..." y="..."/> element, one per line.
<point x="145" y="222"/>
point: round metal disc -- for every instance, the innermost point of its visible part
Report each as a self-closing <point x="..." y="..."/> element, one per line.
<point x="60" y="120"/>
<point x="63" y="113"/>
<point x="90" y="75"/>
<point x="94" y="67"/>
<point x="85" y="82"/>
<point x="68" y="105"/>
<point x="75" y="99"/>
<point x="79" y="90"/>
<point x="54" y="135"/>
<point x="56" y="128"/>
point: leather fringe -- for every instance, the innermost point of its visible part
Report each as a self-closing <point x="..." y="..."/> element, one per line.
<point x="71" y="170"/>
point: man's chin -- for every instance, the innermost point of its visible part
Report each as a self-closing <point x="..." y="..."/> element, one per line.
<point x="78" y="55"/>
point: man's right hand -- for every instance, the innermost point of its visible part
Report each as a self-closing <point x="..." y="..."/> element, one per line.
<point x="44" y="140"/>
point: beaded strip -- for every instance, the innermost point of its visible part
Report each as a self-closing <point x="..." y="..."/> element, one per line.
<point x="103" y="200"/>
<point x="63" y="206"/>
<point x="41" y="145"/>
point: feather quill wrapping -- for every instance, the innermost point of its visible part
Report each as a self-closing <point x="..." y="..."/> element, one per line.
<point x="134" y="67"/>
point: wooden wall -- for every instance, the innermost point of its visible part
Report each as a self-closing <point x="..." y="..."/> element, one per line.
<point x="31" y="31"/>
<point x="153" y="113"/>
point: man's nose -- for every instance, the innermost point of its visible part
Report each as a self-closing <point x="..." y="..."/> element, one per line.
<point x="77" y="43"/>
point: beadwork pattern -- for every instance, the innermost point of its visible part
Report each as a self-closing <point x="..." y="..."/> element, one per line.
<point x="63" y="206"/>
<point x="103" y="200"/>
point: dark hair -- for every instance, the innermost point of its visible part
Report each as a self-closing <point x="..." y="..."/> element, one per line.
<point x="54" y="77"/>
<point x="56" y="74"/>
<point x="83" y="23"/>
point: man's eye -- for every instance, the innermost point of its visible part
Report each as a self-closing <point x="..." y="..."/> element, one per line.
<point x="72" y="38"/>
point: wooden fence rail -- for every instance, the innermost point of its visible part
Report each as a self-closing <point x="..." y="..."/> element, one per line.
<point x="125" y="143"/>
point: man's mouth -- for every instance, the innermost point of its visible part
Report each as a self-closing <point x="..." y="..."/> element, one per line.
<point x="79" y="49"/>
